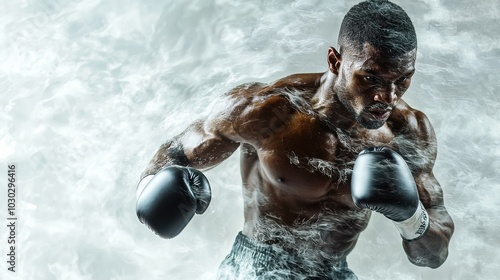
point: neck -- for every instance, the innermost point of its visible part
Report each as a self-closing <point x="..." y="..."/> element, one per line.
<point x="328" y="106"/>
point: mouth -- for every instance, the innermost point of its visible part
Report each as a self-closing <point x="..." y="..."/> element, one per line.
<point x="379" y="114"/>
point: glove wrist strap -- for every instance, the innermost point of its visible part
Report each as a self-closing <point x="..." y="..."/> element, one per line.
<point x="415" y="226"/>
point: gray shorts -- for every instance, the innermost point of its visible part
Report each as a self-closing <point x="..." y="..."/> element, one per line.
<point x="252" y="260"/>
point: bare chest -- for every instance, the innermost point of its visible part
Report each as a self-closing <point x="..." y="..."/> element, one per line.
<point x="311" y="163"/>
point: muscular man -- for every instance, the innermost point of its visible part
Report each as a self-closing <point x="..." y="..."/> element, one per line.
<point x="319" y="152"/>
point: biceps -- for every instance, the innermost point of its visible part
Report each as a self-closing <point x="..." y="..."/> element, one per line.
<point x="431" y="196"/>
<point x="205" y="147"/>
<point x="430" y="191"/>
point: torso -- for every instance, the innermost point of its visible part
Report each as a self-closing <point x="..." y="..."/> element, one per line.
<point x="296" y="177"/>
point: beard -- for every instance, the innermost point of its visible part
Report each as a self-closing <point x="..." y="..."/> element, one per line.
<point x="369" y="123"/>
<point x="363" y="117"/>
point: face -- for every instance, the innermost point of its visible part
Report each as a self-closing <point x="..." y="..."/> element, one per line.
<point x="370" y="83"/>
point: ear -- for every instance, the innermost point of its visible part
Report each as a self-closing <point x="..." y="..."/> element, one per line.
<point x="334" y="60"/>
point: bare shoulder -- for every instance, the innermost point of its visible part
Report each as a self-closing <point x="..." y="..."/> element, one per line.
<point x="302" y="81"/>
<point x="414" y="136"/>
<point x="407" y="120"/>
<point x="251" y="110"/>
<point x="240" y="113"/>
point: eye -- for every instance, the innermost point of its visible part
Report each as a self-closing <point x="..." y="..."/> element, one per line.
<point x="370" y="79"/>
<point x="404" y="80"/>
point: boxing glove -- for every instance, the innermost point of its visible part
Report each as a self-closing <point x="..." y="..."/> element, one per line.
<point x="170" y="199"/>
<point x="381" y="181"/>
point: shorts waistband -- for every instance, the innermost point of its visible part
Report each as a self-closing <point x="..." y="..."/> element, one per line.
<point x="246" y="249"/>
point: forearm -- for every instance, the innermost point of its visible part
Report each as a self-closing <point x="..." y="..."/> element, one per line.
<point x="170" y="153"/>
<point x="432" y="248"/>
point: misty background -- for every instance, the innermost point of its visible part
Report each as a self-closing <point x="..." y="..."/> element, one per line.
<point x="90" y="90"/>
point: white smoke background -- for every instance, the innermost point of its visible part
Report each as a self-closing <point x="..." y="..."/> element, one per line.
<point x="90" y="90"/>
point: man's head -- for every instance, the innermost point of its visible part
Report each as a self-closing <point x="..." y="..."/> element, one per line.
<point x="382" y="24"/>
<point x="376" y="60"/>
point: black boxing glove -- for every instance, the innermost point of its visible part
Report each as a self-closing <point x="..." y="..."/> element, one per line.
<point x="381" y="181"/>
<point x="167" y="201"/>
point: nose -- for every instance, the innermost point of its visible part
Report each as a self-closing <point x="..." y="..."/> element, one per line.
<point x="387" y="95"/>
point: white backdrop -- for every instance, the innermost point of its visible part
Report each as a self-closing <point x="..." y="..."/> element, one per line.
<point x="90" y="90"/>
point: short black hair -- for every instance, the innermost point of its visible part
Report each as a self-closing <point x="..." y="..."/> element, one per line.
<point x="382" y="24"/>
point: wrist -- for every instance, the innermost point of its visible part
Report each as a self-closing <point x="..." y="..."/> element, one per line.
<point x="415" y="226"/>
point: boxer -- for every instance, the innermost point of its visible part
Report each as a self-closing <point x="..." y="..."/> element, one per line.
<point x="319" y="153"/>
